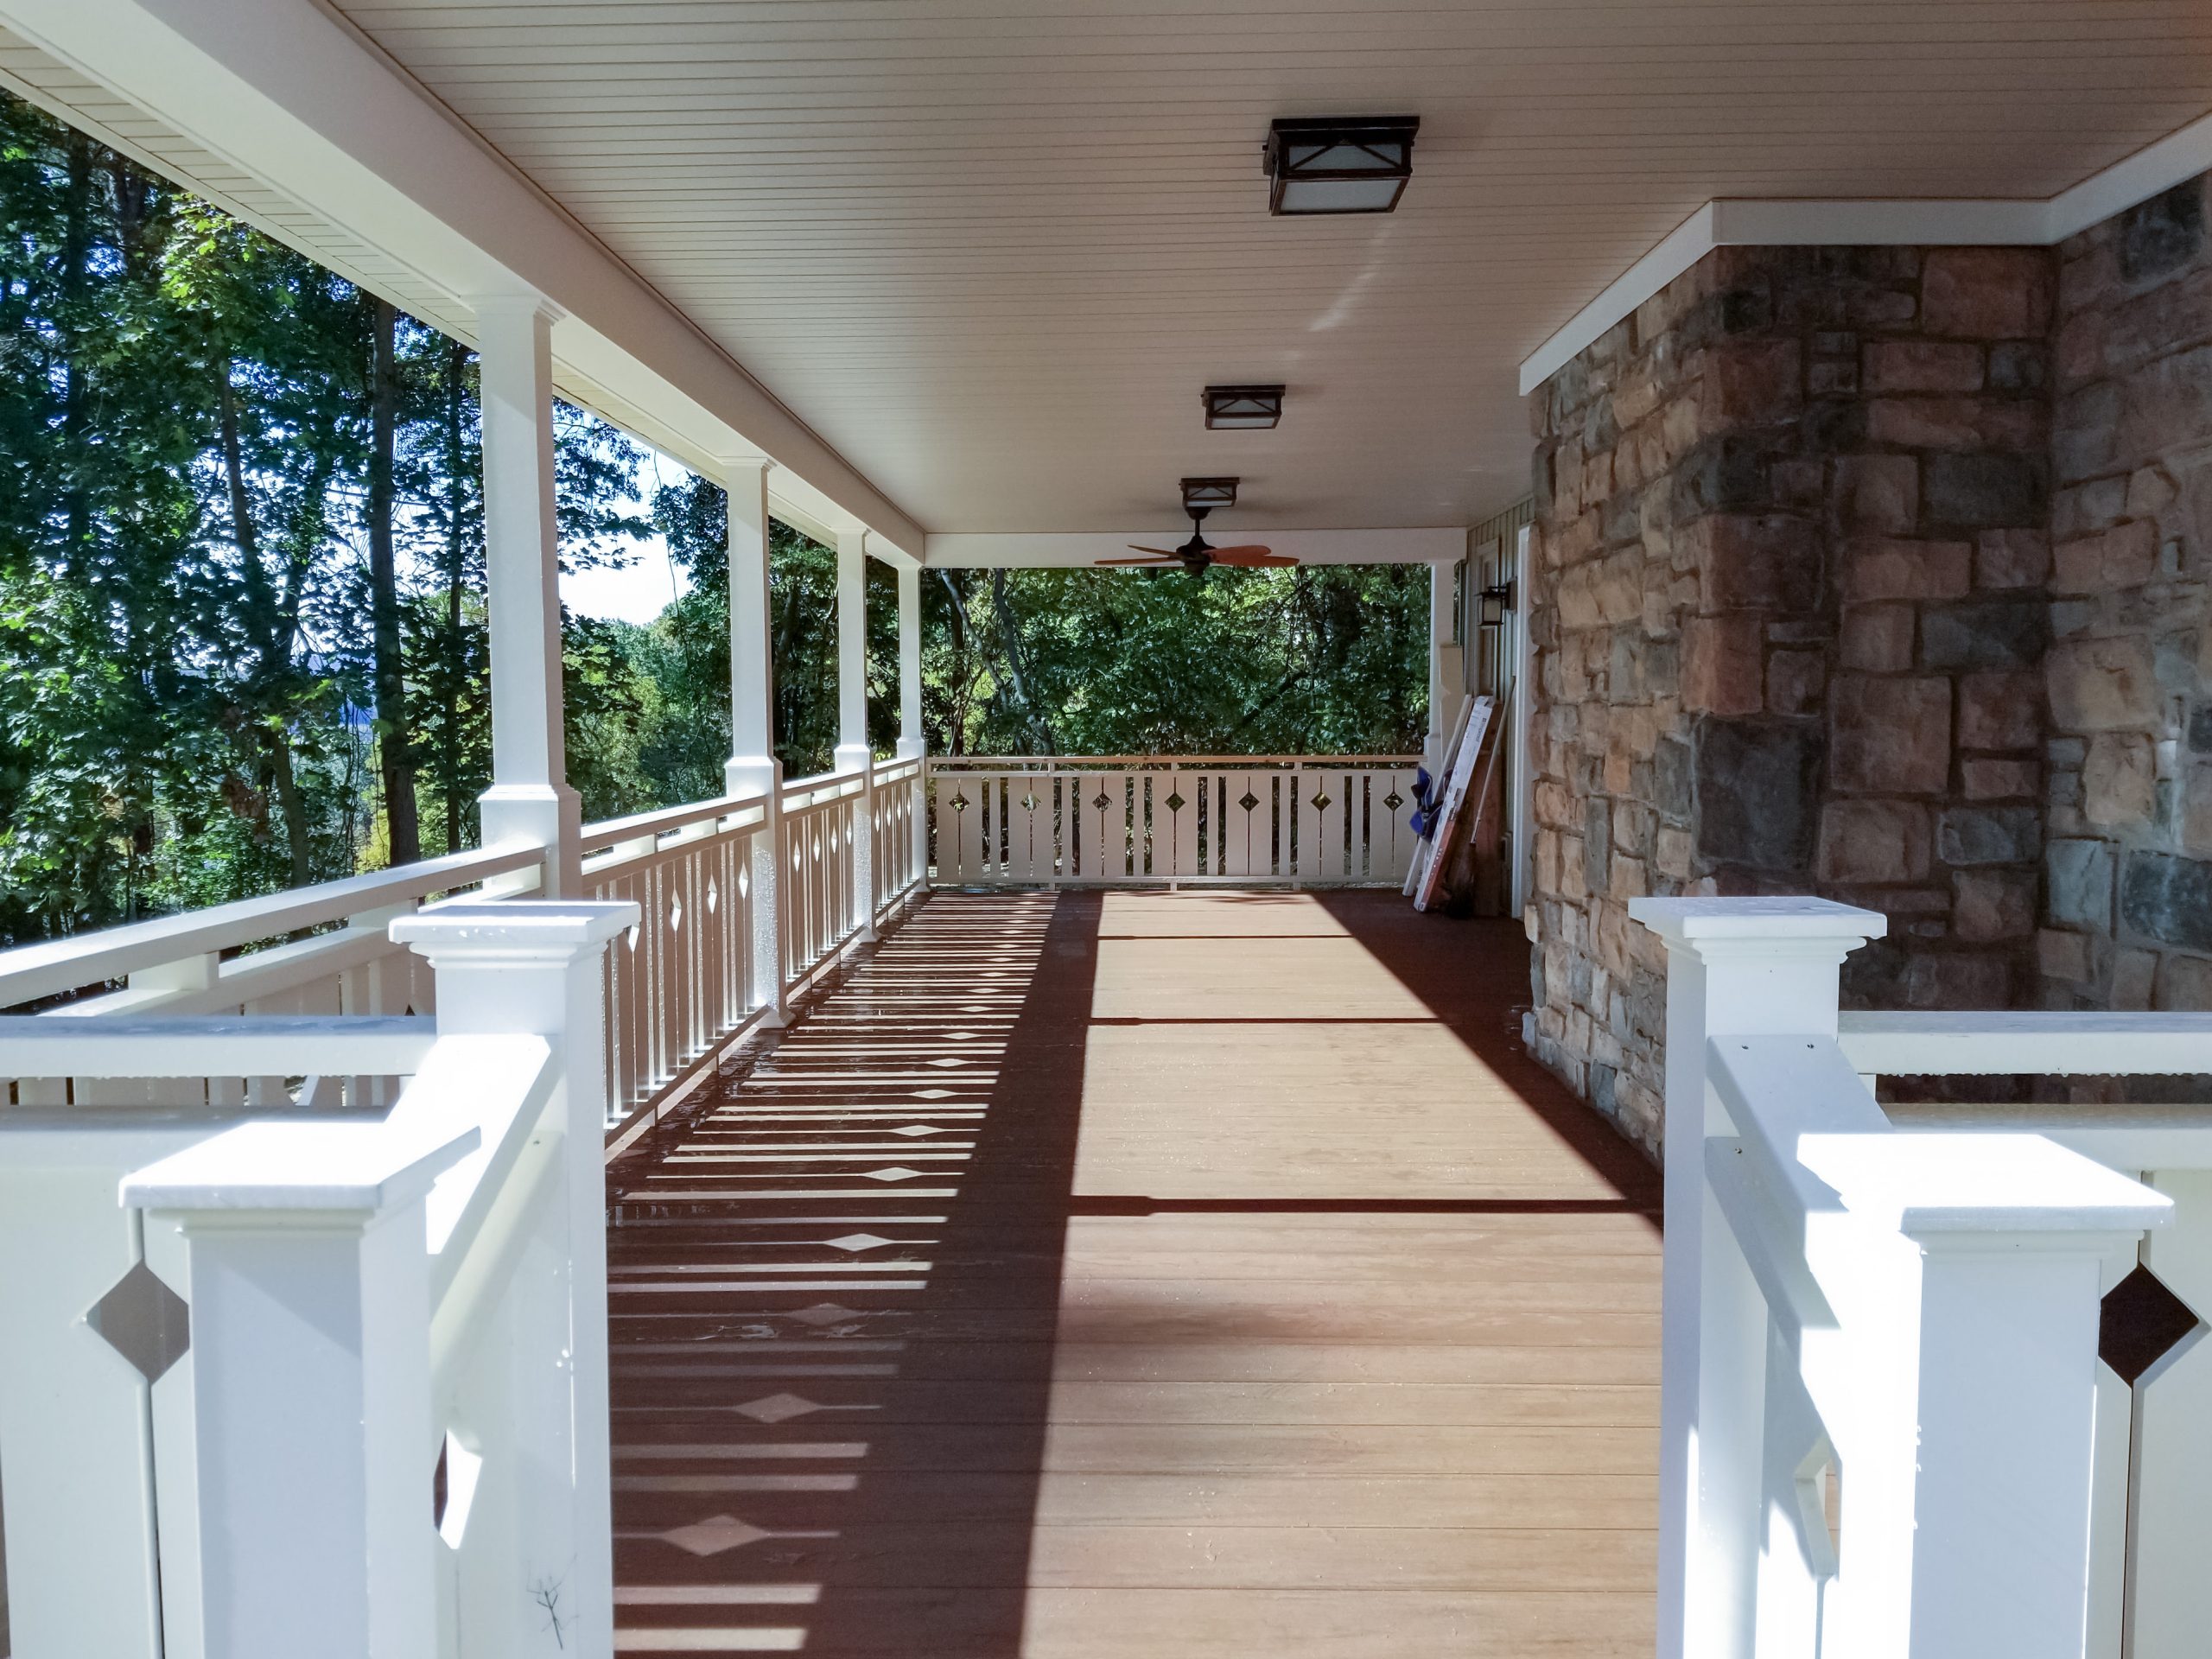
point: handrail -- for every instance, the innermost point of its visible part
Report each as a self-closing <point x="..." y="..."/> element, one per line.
<point x="250" y="1045"/>
<point x="54" y="966"/>
<point x="2061" y="1042"/>
<point x="598" y="837"/>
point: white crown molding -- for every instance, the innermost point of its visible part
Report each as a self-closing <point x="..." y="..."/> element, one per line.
<point x="979" y="551"/>
<point x="2035" y="222"/>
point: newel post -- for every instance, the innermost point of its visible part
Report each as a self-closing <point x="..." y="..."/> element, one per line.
<point x="309" y="1289"/>
<point x="536" y="969"/>
<point x="1734" y="966"/>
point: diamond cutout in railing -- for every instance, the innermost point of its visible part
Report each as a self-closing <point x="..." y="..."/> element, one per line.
<point x="714" y="898"/>
<point x="1321" y="802"/>
<point x="2141" y="1322"/>
<point x="744" y="883"/>
<point x="145" y="1321"/>
<point x="1175" y="803"/>
<point x="1394" y="800"/>
<point x="676" y="914"/>
<point x="1030" y="803"/>
<point x="959" y="803"/>
<point x="1248" y="800"/>
<point x="1104" y="801"/>
<point x="634" y="937"/>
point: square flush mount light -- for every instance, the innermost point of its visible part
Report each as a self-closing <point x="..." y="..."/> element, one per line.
<point x="1339" y="164"/>
<point x="1203" y="494"/>
<point x="1238" y="408"/>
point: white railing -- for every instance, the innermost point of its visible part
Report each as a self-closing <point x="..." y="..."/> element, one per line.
<point x="1242" y="819"/>
<point x="331" y="1381"/>
<point x="683" y="982"/>
<point x="1887" y="1433"/>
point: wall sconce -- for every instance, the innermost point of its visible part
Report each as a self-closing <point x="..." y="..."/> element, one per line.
<point x="1495" y="602"/>
<point x="1339" y="164"/>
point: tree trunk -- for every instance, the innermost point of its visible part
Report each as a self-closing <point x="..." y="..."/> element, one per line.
<point x="393" y="743"/>
<point x="1040" y="728"/>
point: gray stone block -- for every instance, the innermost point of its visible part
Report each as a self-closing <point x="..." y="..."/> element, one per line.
<point x="1986" y="633"/>
<point x="1992" y="489"/>
<point x="1989" y="835"/>
<point x="1756" y="783"/>
<point x="2079" y="875"/>
<point x="2166" y="897"/>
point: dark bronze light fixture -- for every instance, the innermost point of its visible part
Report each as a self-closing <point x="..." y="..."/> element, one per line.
<point x="1496" y="601"/>
<point x="1339" y="164"/>
<point x="1242" y="407"/>
<point x="1203" y="494"/>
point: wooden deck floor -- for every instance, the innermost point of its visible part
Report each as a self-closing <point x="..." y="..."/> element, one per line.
<point x="1140" y="1275"/>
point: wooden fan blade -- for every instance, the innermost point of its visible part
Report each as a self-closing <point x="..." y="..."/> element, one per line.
<point x="1150" y="564"/>
<point x="1164" y="552"/>
<point x="1251" y="557"/>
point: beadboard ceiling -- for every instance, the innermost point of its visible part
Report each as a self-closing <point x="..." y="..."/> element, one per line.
<point x="991" y="249"/>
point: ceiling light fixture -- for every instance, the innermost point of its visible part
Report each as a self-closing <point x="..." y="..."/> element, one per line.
<point x="1339" y="164"/>
<point x="1202" y="495"/>
<point x="1242" y="407"/>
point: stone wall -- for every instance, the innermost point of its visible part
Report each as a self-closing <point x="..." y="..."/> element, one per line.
<point x="2129" y="857"/>
<point x="1791" y="609"/>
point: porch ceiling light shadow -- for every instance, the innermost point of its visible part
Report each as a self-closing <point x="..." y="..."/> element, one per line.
<point x="1237" y="408"/>
<point x="1339" y="164"/>
<point x="1203" y="494"/>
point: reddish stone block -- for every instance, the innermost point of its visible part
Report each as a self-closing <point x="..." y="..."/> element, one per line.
<point x="1891" y="735"/>
<point x="1987" y="293"/>
<point x="1877" y="639"/>
<point x="1907" y="570"/>
<point x="2001" y="710"/>
<point x="1921" y="365"/>
<point x="2127" y="556"/>
<point x="1754" y="563"/>
<point x="1723" y="663"/>
<point x="1751" y="383"/>
<point x="1878" y="843"/>
<point x="2010" y="558"/>
<point x="2063" y="956"/>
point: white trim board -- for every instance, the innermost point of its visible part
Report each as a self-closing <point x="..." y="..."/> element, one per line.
<point x="2038" y="222"/>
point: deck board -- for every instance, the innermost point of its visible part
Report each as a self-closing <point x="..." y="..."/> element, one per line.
<point x="1096" y="1276"/>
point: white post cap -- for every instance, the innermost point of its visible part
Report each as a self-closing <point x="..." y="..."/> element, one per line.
<point x="276" y="1166"/>
<point x="1794" y="917"/>
<point x="514" y="928"/>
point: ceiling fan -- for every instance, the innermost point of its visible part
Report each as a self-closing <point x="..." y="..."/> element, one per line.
<point x="1196" y="557"/>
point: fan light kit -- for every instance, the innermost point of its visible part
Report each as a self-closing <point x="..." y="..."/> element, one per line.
<point x="1339" y="164"/>
<point x="1200" y="497"/>
<point x="1242" y="407"/>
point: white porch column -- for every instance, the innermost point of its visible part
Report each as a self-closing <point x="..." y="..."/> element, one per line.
<point x="753" y="767"/>
<point x="854" y="754"/>
<point x="1754" y="966"/>
<point x="912" y="745"/>
<point x="1443" y="694"/>
<point x="530" y="797"/>
<point x="309" y="1287"/>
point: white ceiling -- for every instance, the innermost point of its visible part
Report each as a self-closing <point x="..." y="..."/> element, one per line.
<point x="991" y="249"/>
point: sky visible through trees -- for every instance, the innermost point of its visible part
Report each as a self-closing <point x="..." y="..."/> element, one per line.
<point x="242" y="630"/>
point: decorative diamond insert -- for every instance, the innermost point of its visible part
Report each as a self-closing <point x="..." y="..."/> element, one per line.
<point x="1030" y="803"/>
<point x="1175" y="803"/>
<point x="676" y="915"/>
<point x="2141" y="1322"/>
<point x="1104" y="801"/>
<point x="1394" y="800"/>
<point x="713" y="897"/>
<point x="1321" y="802"/>
<point x="1248" y="800"/>
<point x="959" y="803"/>
<point x="145" y="1321"/>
